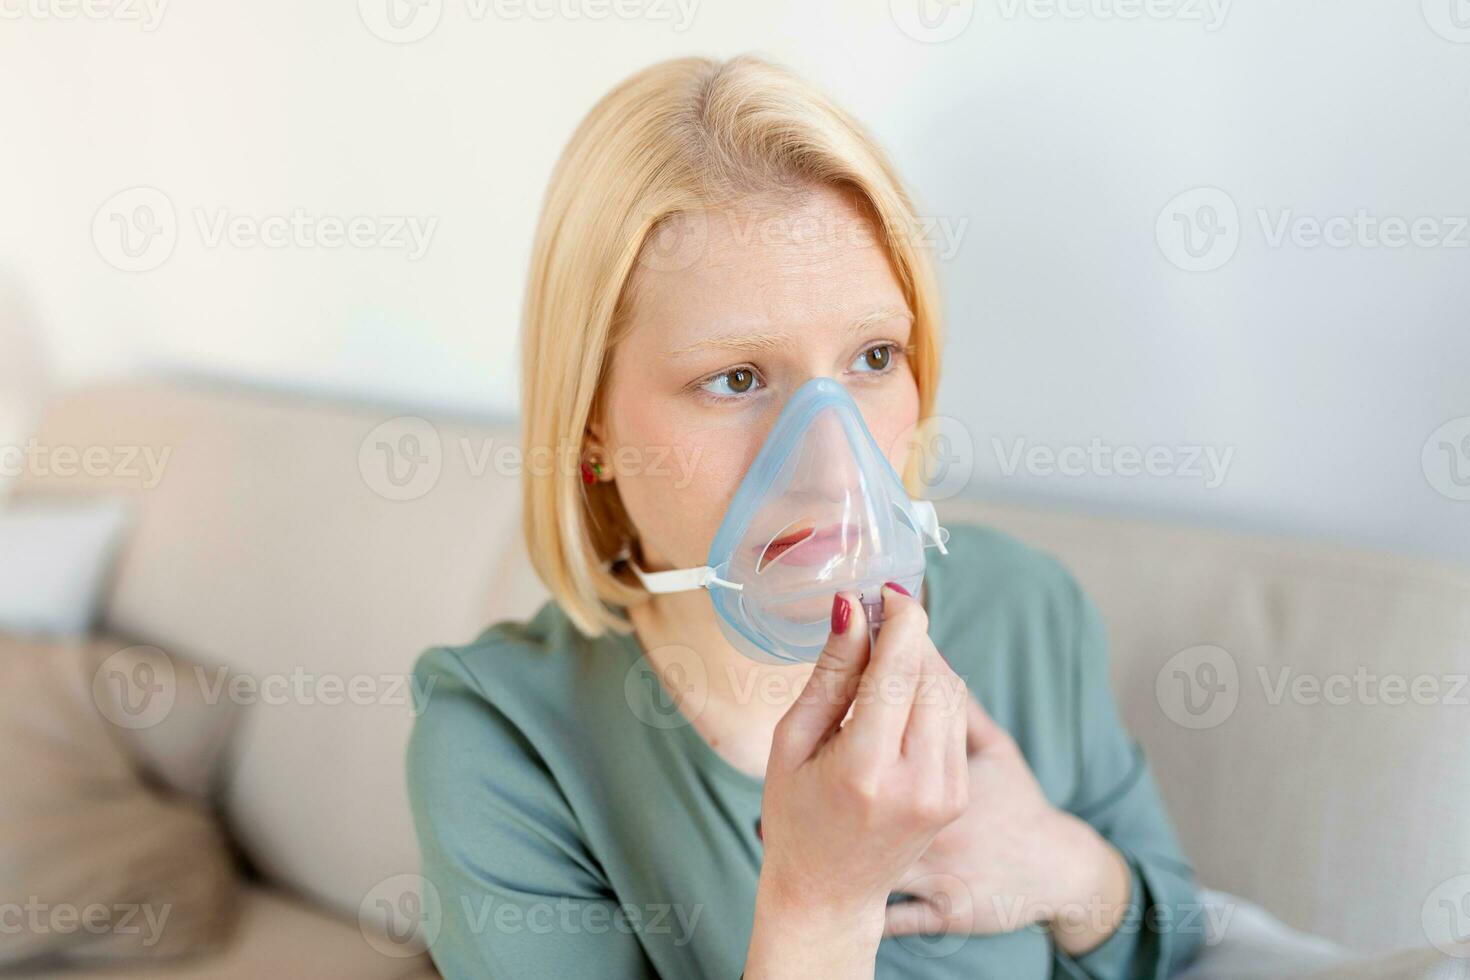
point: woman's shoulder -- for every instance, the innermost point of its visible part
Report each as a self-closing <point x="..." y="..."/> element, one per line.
<point x="1005" y="608"/>
<point x="991" y="570"/>
<point x="1014" y="622"/>
<point x="503" y="702"/>
<point x="510" y="663"/>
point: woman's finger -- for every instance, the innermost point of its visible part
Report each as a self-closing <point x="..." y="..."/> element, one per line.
<point x="829" y="692"/>
<point x="957" y="762"/>
<point x="886" y="692"/>
<point x="911" y="918"/>
<point x="931" y="722"/>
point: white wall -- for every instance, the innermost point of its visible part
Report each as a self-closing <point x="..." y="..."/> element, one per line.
<point x="1049" y="136"/>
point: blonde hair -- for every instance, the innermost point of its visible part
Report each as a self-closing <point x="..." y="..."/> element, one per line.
<point x="678" y="137"/>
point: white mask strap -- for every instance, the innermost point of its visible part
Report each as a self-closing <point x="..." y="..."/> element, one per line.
<point x="929" y="524"/>
<point x="678" y="579"/>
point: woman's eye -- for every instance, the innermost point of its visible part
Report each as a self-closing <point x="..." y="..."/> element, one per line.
<point x="737" y="382"/>
<point x="875" y="358"/>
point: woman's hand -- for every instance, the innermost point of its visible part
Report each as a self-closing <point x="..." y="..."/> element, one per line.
<point x="850" y="806"/>
<point x="1013" y="859"/>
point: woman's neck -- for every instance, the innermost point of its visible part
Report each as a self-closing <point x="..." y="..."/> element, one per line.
<point x="729" y="699"/>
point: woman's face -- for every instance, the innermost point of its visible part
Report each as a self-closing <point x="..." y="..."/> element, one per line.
<point x="748" y="304"/>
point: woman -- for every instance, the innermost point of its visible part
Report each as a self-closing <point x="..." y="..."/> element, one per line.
<point x="612" y="789"/>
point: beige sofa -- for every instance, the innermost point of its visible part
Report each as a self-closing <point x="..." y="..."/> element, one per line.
<point x="291" y="535"/>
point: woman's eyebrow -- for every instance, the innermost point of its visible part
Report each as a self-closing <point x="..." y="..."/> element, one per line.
<point x="735" y="342"/>
<point x="878" y="316"/>
<point x="776" y="341"/>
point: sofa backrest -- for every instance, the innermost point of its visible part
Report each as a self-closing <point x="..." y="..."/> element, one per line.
<point x="305" y="543"/>
<point x="1304" y="708"/>
<point x="273" y="545"/>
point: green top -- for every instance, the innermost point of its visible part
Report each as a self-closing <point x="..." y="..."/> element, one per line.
<point x="574" y="825"/>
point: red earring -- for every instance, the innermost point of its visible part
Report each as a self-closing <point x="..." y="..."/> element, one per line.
<point x="590" y="472"/>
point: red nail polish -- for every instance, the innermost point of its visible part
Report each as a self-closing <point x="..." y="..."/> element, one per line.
<point x="759" y="833"/>
<point x="841" y="613"/>
<point x="899" y="589"/>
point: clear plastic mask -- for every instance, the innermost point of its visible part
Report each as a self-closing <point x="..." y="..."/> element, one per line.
<point x="820" y="511"/>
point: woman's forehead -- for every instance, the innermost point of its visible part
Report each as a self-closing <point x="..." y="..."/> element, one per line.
<point x="764" y="268"/>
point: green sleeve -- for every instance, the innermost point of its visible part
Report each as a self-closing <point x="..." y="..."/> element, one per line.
<point x="519" y="891"/>
<point x="1163" y="928"/>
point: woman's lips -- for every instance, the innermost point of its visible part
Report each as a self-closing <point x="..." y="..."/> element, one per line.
<point x="809" y="546"/>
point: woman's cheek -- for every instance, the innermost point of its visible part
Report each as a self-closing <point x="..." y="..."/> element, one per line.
<point x="891" y="418"/>
<point x="680" y="498"/>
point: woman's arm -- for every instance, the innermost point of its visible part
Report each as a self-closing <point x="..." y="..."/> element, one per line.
<point x="1103" y="872"/>
<point x="850" y="805"/>
<point x="503" y="848"/>
<point x="1161" y="926"/>
<point x="516" y="887"/>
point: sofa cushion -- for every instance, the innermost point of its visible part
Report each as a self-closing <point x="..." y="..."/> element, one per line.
<point x="58" y="552"/>
<point x="100" y="865"/>
<point x="173" y="716"/>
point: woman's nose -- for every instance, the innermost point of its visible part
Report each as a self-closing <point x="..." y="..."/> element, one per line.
<point x="826" y="468"/>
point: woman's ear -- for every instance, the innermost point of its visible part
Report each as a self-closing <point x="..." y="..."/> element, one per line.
<point x="594" y="455"/>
